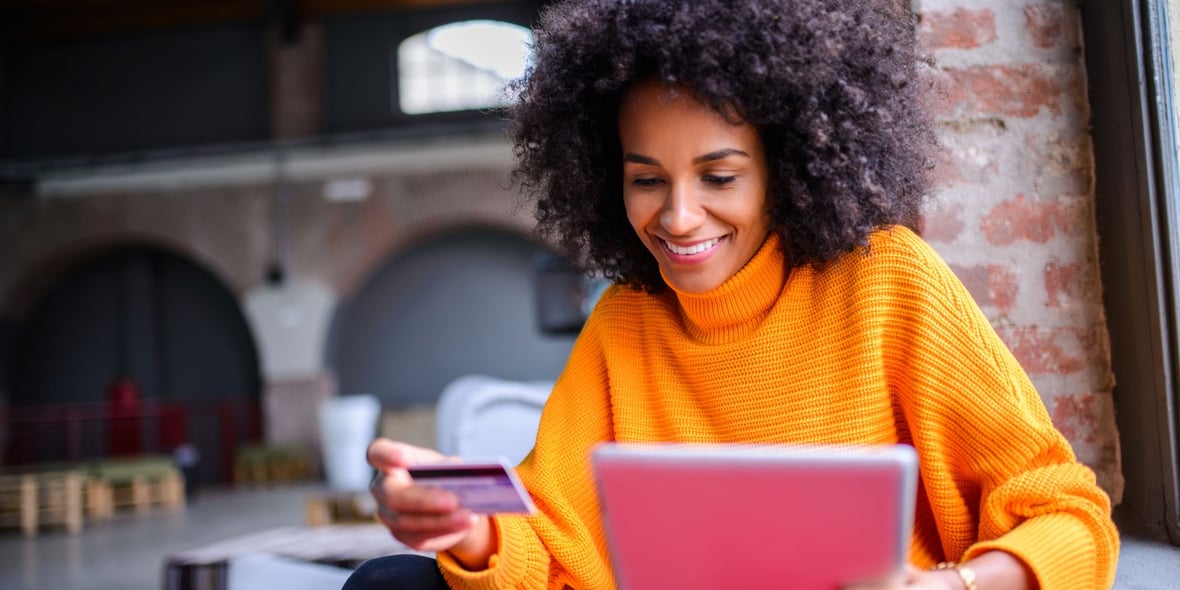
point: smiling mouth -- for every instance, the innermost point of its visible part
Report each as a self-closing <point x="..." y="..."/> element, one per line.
<point x="693" y="249"/>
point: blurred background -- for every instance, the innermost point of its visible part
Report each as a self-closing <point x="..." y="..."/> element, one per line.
<point x="209" y="206"/>
<point x="238" y="239"/>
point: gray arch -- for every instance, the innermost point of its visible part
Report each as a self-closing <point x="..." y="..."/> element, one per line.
<point x="458" y="303"/>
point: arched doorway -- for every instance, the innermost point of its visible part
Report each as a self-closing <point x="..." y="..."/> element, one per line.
<point x="134" y="314"/>
<point x="460" y="303"/>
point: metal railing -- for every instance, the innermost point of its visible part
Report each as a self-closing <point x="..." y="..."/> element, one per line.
<point x="74" y="433"/>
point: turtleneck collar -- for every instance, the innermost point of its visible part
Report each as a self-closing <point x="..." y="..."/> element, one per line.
<point x="741" y="302"/>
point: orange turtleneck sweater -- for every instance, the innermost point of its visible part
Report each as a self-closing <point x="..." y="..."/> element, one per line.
<point x="882" y="346"/>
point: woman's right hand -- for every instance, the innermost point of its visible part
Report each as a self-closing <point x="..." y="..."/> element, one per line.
<point x="425" y="518"/>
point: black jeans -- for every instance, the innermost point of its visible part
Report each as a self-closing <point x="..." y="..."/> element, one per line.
<point x="395" y="572"/>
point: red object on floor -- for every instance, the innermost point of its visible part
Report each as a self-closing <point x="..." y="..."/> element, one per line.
<point x="124" y="436"/>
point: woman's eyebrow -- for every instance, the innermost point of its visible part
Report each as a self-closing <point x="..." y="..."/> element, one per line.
<point x="718" y="155"/>
<point x="638" y="159"/>
<point x="709" y="157"/>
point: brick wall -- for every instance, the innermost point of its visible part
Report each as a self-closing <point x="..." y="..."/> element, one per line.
<point x="1013" y="214"/>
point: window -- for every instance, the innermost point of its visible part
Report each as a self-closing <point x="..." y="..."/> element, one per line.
<point x="1132" y="48"/>
<point x="460" y="66"/>
<point x="1171" y="18"/>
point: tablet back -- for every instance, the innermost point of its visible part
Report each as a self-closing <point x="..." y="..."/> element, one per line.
<point x="682" y="516"/>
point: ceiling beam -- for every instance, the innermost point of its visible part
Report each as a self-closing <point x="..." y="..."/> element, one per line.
<point x="58" y="20"/>
<point x="313" y="8"/>
<point x="32" y="21"/>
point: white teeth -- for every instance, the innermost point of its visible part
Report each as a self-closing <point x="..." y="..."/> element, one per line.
<point x="694" y="249"/>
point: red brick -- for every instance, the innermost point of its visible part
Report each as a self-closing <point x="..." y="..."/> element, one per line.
<point x="1079" y="417"/>
<point x="1069" y="280"/>
<point x="1013" y="91"/>
<point x="974" y="169"/>
<point x="1065" y="164"/>
<point x="1032" y="220"/>
<point x="969" y="163"/>
<point x="992" y="285"/>
<point x="941" y="224"/>
<point x="960" y="29"/>
<point x="1055" y="351"/>
<point x="946" y="95"/>
<point x="1045" y="22"/>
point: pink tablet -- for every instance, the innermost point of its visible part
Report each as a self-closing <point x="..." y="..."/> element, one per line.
<point x="686" y="516"/>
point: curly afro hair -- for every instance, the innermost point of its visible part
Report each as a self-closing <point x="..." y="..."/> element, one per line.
<point x="828" y="84"/>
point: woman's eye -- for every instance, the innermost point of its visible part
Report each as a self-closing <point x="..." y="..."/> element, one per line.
<point x="646" y="182"/>
<point x="715" y="180"/>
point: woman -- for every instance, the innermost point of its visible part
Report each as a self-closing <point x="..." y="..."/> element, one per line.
<point x="745" y="171"/>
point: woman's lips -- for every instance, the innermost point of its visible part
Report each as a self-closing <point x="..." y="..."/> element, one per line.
<point x="691" y="253"/>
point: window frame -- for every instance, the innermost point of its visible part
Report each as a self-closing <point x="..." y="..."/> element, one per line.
<point x="1137" y="210"/>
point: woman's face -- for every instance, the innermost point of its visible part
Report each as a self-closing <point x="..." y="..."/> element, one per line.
<point x="694" y="185"/>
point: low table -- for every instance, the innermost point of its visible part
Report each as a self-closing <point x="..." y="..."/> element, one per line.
<point x="347" y="546"/>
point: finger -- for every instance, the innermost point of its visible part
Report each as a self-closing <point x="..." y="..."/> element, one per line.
<point x="385" y="454"/>
<point x="396" y="490"/>
<point x="423" y="534"/>
<point x="414" y="499"/>
<point x="892" y="581"/>
<point x="432" y="542"/>
<point x="425" y="525"/>
<point x="912" y="572"/>
<point x="384" y="485"/>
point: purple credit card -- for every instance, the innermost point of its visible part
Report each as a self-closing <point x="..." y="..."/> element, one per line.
<point x="484" y="486"/>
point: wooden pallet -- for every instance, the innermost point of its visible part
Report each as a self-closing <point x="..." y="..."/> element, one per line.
<point x="141" y="494"/>
<point x="65" y="494"/>
<point x="271" y="464"/>
<point x="340" y="508"/>
<point x="18" y="503"/>
<point x="33" y="500"/>
<point x="98" y="499"/>
<point x="140" y="484"/>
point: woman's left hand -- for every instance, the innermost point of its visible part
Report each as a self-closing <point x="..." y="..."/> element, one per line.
<point x="992" y="569"/>
<point x="912" y="579"/>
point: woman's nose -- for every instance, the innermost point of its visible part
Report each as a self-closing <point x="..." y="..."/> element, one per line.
<point x="682" y="211"/>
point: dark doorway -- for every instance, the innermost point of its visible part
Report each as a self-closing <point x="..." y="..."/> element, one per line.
<point x="141" y="316"/>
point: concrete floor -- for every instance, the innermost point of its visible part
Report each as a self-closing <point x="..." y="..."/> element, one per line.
<point x="128" y="553"/>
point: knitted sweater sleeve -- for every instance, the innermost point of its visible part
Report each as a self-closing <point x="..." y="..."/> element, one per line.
<point x="562" y="544"/>
<point x="997" y="473"/>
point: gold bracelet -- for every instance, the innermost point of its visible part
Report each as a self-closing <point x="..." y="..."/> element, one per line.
<point x="965" y="573"/>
